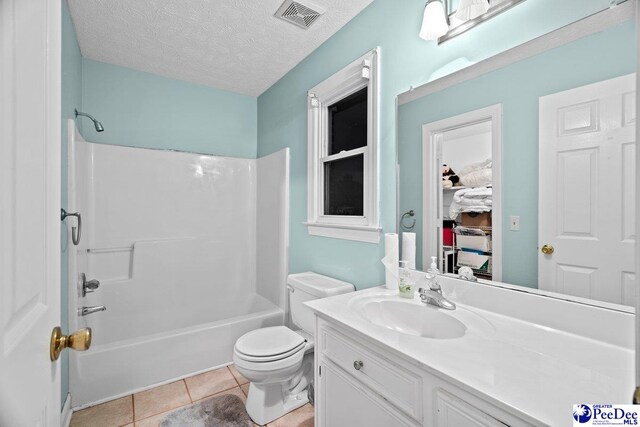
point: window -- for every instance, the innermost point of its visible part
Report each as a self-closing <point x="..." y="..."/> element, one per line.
<point x="342" y="163"/>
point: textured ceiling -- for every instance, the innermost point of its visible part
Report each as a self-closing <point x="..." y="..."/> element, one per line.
<point x="234" y="45"/>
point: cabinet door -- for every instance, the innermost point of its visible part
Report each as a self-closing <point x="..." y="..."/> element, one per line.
<point x="454" y="412"/>
<point x="344" y="402"/>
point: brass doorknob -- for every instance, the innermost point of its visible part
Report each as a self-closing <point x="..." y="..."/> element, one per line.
<point x="547" y="249"/>
<point x="80" y="340"/>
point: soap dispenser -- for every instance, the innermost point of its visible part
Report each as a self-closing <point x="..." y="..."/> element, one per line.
<point x="432" y="273"/>
<point x="406" y="285"/>
<point x="434" y="266"/>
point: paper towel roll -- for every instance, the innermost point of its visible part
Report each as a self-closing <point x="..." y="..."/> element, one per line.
<point x="409" y="249"/>
<point x="391" y="260"/>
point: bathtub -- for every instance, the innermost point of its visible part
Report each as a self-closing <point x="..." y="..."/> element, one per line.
<point x="117" y="368"/>
<point x="190" y="251"/>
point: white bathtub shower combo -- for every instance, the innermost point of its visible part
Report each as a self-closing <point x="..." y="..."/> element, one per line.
<point x="190" y="251"/>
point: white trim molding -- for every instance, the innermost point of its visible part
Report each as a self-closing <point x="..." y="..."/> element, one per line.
<point x="67" y="412"/>
<point x="362" y="73"/>
<point x="636" y="394"/>
<point x="346" y="232"/>
<point x="432" y="187"/>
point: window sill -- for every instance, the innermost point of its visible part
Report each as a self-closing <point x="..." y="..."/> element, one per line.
<point x="358" y="233"/>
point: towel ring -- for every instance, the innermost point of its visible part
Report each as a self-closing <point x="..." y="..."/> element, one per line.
<point x="404" y="226"/>
<point x="75" y="237"/>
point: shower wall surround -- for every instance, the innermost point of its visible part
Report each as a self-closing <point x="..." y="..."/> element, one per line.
<point x="189" y="249"/>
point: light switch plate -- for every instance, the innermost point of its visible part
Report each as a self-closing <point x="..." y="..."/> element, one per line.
<point x="515" y="223"/>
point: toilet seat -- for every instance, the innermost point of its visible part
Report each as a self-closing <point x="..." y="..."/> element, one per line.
<point x="269" y="344"/>
<point x="271" y="358"/>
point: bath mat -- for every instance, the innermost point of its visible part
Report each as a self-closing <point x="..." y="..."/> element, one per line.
<point x="221" y="411"/>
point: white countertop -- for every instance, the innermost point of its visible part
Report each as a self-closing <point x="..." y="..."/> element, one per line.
<point x="536" y="370"/>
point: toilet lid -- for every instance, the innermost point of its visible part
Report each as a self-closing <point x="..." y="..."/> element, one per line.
<point x="267" y="342"/>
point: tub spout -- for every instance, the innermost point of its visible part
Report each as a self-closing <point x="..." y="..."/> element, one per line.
<point x="90" y="310"/>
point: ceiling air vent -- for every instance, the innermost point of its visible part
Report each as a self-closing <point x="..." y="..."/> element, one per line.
<point x="299" y="14"/>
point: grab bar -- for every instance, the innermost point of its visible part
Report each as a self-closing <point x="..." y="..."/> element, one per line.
<point x="75" y="237"/>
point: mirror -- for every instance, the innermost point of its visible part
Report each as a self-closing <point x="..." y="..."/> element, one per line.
<point x="462" y="22"/>
<point x="538" y="190"/>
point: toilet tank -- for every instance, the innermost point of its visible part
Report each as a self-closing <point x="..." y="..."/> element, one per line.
<point x="310" y="286"/>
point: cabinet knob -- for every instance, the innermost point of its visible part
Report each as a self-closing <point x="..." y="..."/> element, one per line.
<point x="358" y="364"/>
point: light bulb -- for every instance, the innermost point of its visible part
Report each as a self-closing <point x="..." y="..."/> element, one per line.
<point x="434" y="21"/>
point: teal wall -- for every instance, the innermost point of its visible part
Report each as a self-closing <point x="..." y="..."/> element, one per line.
<point x="406" y="60"/>
<point x="517" y="87"/>
<point x="71" y="98"/>
<point x="145" y="110"/>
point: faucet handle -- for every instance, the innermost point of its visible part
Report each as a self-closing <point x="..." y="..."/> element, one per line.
<point x="92" y="285"/>
<point x="88" y="286"/>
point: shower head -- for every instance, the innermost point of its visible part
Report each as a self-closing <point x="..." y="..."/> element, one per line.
<point x="96" y="123"/>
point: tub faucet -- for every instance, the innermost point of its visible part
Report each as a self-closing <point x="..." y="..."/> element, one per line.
<point x="90" y="310"/>
<point x="433" y="295"/>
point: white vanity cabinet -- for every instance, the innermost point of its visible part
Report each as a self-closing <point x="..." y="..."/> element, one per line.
<point x="360" y="383"/>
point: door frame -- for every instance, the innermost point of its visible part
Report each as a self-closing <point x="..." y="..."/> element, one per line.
<point x="432" y="190"/>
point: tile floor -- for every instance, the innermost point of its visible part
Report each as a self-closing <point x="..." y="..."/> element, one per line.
<point x="149" y="407"/>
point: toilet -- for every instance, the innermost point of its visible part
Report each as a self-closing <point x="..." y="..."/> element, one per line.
<point x="278" y="361"/>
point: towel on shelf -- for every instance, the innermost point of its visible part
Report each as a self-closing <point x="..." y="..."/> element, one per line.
<point x="479" y="194"/>
<point x="471" y="200"/>
<point x="476" y="174"/>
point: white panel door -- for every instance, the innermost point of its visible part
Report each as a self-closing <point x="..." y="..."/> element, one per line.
<point x="587" y="191"/>
<point x="29" y="211"/>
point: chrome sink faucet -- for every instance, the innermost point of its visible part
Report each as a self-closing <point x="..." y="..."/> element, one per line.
<point x="433" y="295"/>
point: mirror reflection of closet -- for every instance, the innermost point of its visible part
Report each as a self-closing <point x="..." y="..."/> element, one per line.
<point x="462" y="192"/>
<point x="466" y="199"/>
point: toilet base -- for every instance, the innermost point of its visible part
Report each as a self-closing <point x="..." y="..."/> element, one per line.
<point x="266" y="402"/>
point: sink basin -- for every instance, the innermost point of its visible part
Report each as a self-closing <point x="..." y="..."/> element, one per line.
<point x="412" y="319"/>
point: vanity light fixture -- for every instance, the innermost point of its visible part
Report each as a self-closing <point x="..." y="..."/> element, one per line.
<point x="441" y="23"/>
<point x="471" y="9"/>
<point x="435" y="23"/>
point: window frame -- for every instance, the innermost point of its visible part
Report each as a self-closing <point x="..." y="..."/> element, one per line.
<point x="361" y="73"/>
